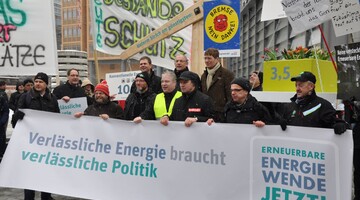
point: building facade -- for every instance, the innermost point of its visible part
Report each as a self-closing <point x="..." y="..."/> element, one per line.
<point x="257" y="35"/>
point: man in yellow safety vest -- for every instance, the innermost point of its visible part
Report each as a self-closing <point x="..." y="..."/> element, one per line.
<point x="164" y="102"/>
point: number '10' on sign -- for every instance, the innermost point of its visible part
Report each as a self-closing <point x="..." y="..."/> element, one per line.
<point x="280" y="74"/>
<point x="124" y="89"/>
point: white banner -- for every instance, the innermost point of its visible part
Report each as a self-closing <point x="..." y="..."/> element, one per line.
<point x="272" y="9"/>
<point x="120" y="83"/>
<point x="73" y="106"/>
<point x="107" y="159"/>
<point x="117" y="25"/>
<point x="27" y="38"/>
<point x="345" y="16"/>
<point x="304" y="15"/>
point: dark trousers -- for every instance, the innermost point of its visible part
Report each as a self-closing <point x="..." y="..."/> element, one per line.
<point x="30" y="195"/>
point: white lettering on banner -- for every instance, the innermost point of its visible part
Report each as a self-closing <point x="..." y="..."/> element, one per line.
<point x="201" y="162"/>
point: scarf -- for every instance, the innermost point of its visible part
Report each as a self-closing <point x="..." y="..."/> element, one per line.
<point x="211" y="73"/>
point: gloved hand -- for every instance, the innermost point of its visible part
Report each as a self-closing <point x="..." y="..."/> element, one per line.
<point x="340" y="128"/>
<point x="19" y="115"/>
<point x="283" y="124"/>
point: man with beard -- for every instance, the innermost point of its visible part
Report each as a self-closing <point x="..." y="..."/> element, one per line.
<point x="38" y="98"/>
<point x="154" y="83"/>
<point x="103" y="106"/>
<point x="136" y="102"/>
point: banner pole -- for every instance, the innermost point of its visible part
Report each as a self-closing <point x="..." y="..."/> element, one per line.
<point x="327" y="47"/>
<point x="97" y="71"/>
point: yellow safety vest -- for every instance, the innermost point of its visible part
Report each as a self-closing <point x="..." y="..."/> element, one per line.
<point x="160" y="104"/>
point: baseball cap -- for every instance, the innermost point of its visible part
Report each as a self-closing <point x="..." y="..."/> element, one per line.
<point x="305" y="76"/>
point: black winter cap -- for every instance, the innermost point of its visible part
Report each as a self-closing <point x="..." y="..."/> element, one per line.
<point x="42" y="76"/>
<point x="145" y="76"/>
<point x="242" y="82"/>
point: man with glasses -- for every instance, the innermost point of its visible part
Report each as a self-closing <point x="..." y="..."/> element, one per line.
<point x="136" y="102"/>
<point x="181" y="65"/>
<point x="72" y="88"/>
<point x="154" y="81"/>
<point x="309" y="110"/>
<point x="243" y="107"/>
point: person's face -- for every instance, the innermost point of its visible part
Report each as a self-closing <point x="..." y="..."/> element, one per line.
<point x="87" y="87"/>
<point x="141" y="84"/>
<point x="180" y="62"/>
<point x="238" y="94"/>
<point x="101" y="97"/>
<point x="303" y="88"/>
<point x="254" y="79"/>
<point x="21" y="88"/>
<point x="210" y="61"/>
<point x="167" y="84"/>
<point x="73" y="77"/>
<point x="40" y="85"/>
<point x="186" y="86"/>
<point x="145" y="66"/>
<point x="28" y="86"/>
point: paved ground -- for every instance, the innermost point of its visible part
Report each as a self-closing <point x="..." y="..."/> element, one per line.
<point x="17" y="194"/>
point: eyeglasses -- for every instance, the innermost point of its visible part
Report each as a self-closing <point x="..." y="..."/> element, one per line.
<point x="236" y="90"/>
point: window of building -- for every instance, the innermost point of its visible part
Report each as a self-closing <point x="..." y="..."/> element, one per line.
<point x="65" y="15"/>
<point x="65" y="32"/>
<point x="69" y="12"/>
<point x="74" y="13"/>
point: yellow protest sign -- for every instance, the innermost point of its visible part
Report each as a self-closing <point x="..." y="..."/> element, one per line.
<point x="277" y="74"/>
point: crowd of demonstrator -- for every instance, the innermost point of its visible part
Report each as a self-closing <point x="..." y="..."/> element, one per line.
<point x="179" y="95"/>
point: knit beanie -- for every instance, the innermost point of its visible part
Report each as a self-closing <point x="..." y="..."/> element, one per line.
<point x="242" y="82"/>
<point x="18" y="85"/>
<point x="26" y="81"/>
<point x="42" y="76"/>
<point x="103" y="87"/>
<point x="145" y="76"/>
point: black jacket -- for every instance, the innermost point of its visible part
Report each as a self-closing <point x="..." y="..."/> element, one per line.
<point x="110" y="108"/>
<point x="246" y="113"/>
<point x="33" y="100"/>
<point x="178" y="74"/>
<point x="195" y="104"/>
<point x="13" y="102"/>
<point x="312" y="111"/>
<point x="136" y="103"/>
<point x="71" y="91"/>
<point x="155" y="84"/>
